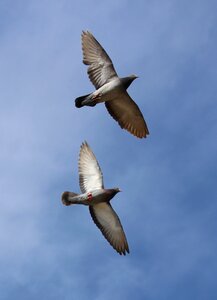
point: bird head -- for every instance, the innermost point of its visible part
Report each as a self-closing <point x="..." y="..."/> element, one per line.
<point x="117" y="190"/>
<point x="133" y="76"/>
<point x="126" y="81"/>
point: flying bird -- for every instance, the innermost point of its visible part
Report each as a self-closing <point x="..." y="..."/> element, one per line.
<point x="110" y="88"/>
<point x="98" y="199"/>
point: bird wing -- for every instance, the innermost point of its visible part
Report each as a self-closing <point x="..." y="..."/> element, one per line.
<point x="127" y="113"/>
<point x="90" y="174"/>
<point x="100" y="69"/>
<point x="108" y="222"/>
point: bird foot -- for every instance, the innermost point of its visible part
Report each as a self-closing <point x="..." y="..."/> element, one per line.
<point x="97" y="97"/>
<point x="89" y="196"/>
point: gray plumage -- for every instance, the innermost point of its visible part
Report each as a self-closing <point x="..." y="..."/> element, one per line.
<point x="110" y="88"/>
<point x="98" y="199"/>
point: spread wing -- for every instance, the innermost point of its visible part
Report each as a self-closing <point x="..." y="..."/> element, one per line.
<point x="100" y="69"/>
<point x="90" y="174"/>
<point x="128" y="115"/>
<point x="108" y="222"/>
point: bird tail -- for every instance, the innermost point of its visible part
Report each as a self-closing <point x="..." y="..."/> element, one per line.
<point x="67" y="198"/>
<point x="79" y="101"/>
<point x="84" y="100"/>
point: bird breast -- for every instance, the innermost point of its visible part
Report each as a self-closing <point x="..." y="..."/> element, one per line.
<point x="109" y="91"/>
<point x="94" y="197"/>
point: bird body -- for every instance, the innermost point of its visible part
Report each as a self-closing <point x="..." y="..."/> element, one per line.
<point x="110" y="88"/>
<point x="89" y="198"/>
<point x="109" y="91"/>
<point x="94" y="195"/>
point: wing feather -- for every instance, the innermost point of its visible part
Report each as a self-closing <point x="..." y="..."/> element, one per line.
<point x="101" y="69"/>
<point x="90" y="174"/>
<point x="109" y="223"/>
<point x="128" y="115"/>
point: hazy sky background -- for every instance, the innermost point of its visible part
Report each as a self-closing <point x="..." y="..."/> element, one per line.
<point x="168" y="206"/>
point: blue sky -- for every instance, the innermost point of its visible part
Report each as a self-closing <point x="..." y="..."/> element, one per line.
<point x="168" y="205"/>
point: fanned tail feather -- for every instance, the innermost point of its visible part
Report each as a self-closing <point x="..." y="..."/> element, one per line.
<point x="79" y="101"/>
<point x="65" y="198"/>
<point x="86" y="100"/>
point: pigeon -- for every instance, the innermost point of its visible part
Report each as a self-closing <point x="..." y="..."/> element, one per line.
<point x="98" y="199"/>
<point x="110" y="88"/>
